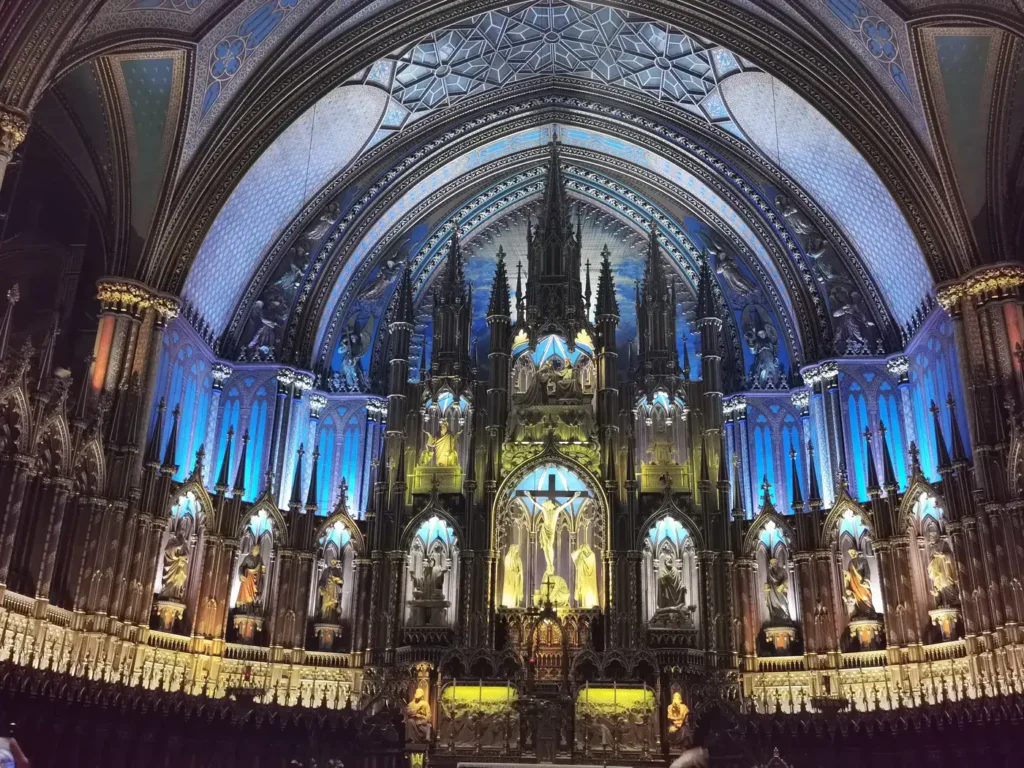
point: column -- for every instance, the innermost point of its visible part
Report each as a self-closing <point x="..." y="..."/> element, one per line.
<point x="58" y="504"/>
<point x="221" y="373"/>
<point x="22" y="473"/>
<point x="818" y="415"/>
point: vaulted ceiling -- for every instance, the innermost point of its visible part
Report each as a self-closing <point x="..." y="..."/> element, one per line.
<point x="274" y="160"/>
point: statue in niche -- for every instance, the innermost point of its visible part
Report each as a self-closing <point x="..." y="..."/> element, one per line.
<point x="428" y="599"/>
<point x="678" y="715"/>
<point x="332" y="580"/>
<point x="763" y="341"/>
<point x="559" y="379"/>
<point x="857" y="587"/>
<point x="796" y="220"/>
<point x="585" y="562"/>
<point x="942" y="574"/>
<point x="417" y="718"/>
<point x="441" y="451"/>
<point x="727" y="268"/>
<point x="549" y="512"/>
<point x="777" y="593"/>
<point x="429" y="585"/>
<point x="671" y="591"/>
<point x="175" y="568"/>
<point x="512" y="589"/>
<point x="250" y="575"/>
<point x="822" y="263"/>
<point x="352" y="345"/>
<point x="850" y="333"/>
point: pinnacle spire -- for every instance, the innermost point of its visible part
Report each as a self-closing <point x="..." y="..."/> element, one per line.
<point x="499" y="304"/>
<point x="402" y="309"/>
<point x="607" y="304"/>
<point x="798" y="499"/>
<point x="240" y="479"/>
<point x="873" y="487"/>
<point x="959" y="455"/>
<point x="813" y="494"/>
<point x="888" y="472"/>
<point x="296" y="500"/>
<point x="171" y="453"/>
<point x="156" y="442"/>
<point x="737" y="492"/>
<point x="940" y="442"/>
<point x="705" y="296"/>
<point x="222" y="476"/>
<point x="311" y="494"/>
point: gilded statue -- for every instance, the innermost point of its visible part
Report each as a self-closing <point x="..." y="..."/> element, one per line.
<point x="857" y="586"/>
<point x="512" y="589"/>
<point x="677" y="714"/>
<point x="549" y="512"/>
<point x="777" y="593"/>
<point x="331" y="582"/>
<point x="250" y="572"/>
<point x="175" y="568"/>
<point x="586" y="576"/>
<point x="942" y="576"/>
<point x="418" y="717"/>
<point x="441" y="451"/>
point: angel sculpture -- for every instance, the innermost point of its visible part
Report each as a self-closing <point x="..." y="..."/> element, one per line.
<point x="377" y="285"/>
<point x="323" y="223"/>
<point x="265" y="337"/>
<point x="821" y="260"/>
<point x="849" y="324"/>
<point x="726" y="266"/>
<point x="796" y="220"/>
<point x="355" y="340"/>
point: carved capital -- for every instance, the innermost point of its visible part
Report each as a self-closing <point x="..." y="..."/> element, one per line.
<point x="899" y="367"/>
<point x="13" y="127"/>
<point x="993" y="282"/>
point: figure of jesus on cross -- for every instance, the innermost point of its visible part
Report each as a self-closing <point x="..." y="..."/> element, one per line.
<point x="548" y="519"/>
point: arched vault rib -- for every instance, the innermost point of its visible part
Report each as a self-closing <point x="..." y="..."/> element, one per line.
<point x="584" y="181"/>
<point x="344" y="275"/>
<point x="836" y="86"/>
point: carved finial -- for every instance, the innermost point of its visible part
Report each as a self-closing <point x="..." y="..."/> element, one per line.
<point x="915" y="458"/>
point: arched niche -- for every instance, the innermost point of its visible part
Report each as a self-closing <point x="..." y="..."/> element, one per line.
<point x="856" y="569"/>
<point x="661" y="438"/>
<point x="550" y="531"/>
<point x="553" y="371"/>
<point x="339" y="543"/>
<point x="933" y="566"/>
<point x="444" y="439"/>
<point x="769" y="544"/>
<point x="670" y="576"/>
<point x="180" y="564"/>
<point x="431" y="571"/>
<point x="259" y="536"/>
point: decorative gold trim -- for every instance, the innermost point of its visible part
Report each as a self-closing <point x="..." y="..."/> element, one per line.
<point x="13" y="128"/>
<point x="994" y="282"/>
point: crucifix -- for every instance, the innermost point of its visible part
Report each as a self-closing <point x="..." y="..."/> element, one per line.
<point x="549" y="512"/>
